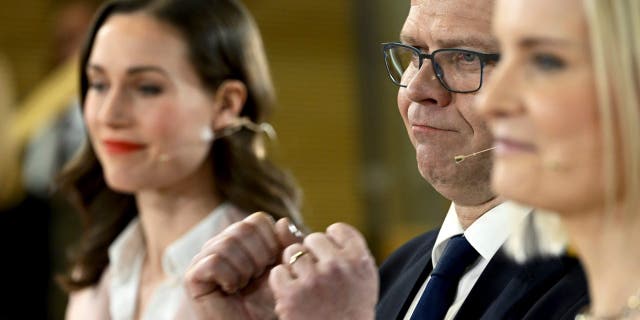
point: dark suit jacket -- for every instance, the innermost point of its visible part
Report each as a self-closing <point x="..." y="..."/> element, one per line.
<point x="549" y="288"/>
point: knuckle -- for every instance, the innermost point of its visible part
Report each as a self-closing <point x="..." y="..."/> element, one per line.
<point x="215" y="261"/>
<point x="261" y="217"/>
<point x="212" y="242"/>
<point x="313" y="238"/>
<point x="338" y="226"/>
<point x="245" y="228"/>
<point x="225" y="246"/>
<point x="334" y="267"/>
<point x="307" y="284"/>
<point x="261" y="261"/>
<point x="290" y="250"/>
<point x="189" y="277"/>
<point x="229" y="281"/>
<point x="284" y="307"/>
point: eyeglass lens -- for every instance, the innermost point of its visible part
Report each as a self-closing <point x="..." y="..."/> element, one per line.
<point x="458" y="70"/>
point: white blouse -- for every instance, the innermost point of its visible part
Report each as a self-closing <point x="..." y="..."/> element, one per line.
<point x="126" y="255"/>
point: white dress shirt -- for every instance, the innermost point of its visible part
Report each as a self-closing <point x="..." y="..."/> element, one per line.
<point x="486" y="235"/>
<point x="127" y="253"/>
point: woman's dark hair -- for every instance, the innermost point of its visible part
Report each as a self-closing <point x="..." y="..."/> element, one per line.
<point x="224" y="43"/>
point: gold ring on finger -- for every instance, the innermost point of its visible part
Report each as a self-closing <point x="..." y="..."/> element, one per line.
<point x="296" y="256"/>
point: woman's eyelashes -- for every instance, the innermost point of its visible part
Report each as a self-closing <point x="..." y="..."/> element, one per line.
<point x="547" y="62"/>
<point x="149" y="90"/>
<point x="98" y="85"/>
<point x="143" y="89"/>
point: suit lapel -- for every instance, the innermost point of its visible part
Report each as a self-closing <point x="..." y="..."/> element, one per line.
<point x="532" y="282"/>
<point x="507" y="290"/>
<point x="395" y="306"/>
<point x="496" y="276"/>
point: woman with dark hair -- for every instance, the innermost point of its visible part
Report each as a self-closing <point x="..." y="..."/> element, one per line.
<point x="173" y="94"/>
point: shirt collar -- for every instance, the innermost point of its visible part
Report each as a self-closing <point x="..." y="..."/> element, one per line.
<point x="129" y="245"/>
<point x="125" y="250"/>
<point x="487" y="234"/>
<point x="178" y="255"/>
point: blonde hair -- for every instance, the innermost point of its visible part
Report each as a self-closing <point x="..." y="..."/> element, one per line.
<point x="614" y="31"/>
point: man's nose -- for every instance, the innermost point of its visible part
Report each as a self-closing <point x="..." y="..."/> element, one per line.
<point x="425" y="87"/>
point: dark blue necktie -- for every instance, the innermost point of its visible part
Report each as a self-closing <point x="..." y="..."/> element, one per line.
<point x="441" y="289"/>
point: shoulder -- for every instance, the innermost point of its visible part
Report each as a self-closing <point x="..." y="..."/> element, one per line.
<point x="401" y="274"/>
<point x="559" y="271"/>
<point x="408" y="254"/>
<point x="91" y="302"/>
<point x="544" y="288"/>
<point x="418" y="246"/>
<point x="566" y="294"/>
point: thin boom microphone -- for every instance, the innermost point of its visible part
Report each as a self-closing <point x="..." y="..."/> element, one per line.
<point x="207" y="135"/>
<point x="461" y="158"/>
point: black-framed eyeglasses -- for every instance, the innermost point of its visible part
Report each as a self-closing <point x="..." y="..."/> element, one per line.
<point x="458" y="70"/>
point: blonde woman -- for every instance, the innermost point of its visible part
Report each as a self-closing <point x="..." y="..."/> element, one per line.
<point x="564" y="108"/>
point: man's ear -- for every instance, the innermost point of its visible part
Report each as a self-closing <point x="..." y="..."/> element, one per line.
<point x="230" y="97"/>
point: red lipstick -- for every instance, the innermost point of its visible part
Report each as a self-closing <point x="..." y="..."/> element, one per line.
<point x="121" y="147"/>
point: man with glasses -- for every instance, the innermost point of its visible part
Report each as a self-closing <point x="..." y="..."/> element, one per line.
<point x="458" y="271"/>
<point x="458" y="70"/>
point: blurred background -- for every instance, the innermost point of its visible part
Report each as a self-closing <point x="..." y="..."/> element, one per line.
<point x="338" y="127"/>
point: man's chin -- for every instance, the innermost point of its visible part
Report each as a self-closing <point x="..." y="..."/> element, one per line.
<point x="457" y="185"/>
<point x="439" y="179"/>
<point x="436" y="169"/>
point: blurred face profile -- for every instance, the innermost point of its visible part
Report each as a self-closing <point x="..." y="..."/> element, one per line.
<point x="541" y="106"/>
<point x="145" y="107"/>
<point x="442" y="124"/>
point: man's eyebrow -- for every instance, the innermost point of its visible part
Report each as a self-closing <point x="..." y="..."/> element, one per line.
<point x="484" y="44"/>
<point x="408" y="39"/>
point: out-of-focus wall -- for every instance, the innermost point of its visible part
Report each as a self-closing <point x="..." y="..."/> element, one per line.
<point x="25" y="39"/>
<point x="312" y="56"/>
